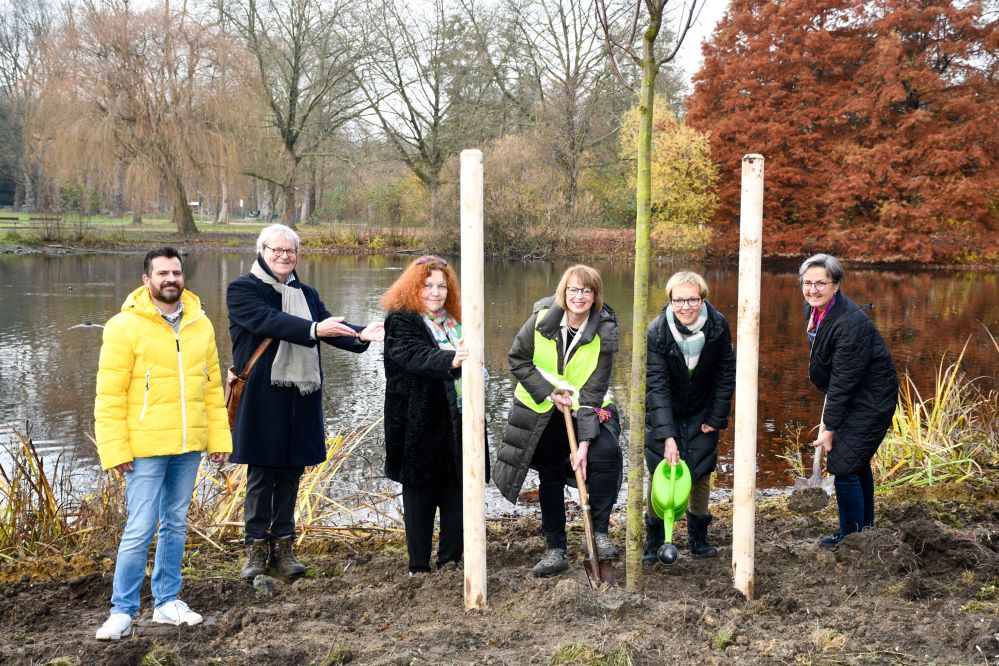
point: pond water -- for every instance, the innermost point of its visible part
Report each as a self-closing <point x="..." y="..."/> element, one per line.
<point x="48" y="355"/>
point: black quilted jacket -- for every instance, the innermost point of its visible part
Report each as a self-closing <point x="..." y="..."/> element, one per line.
<point x="851" y="364"/>
<point x="677" y="404"/>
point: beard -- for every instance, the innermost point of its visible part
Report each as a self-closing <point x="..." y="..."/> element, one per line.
<point x="172" y="295"/>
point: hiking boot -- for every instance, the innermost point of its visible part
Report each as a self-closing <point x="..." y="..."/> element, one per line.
<point x="605" y="548"/>
<point x="285" y="561"/>
<point x="116" y="626"/>
<point x="256" y="559"/>
<point x="654" y="538"/>
<point x="176" y="612"/>
<point x="552" y="562"/>
<point x="831" y="541"/>
<point x="697" y="536"/>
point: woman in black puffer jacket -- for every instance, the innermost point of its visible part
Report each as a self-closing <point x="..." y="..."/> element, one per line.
<point x="850" y="363"/>
<point x="691" y="378"/>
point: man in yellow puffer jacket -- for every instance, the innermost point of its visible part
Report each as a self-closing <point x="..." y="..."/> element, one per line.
<point x="159" y="405"/>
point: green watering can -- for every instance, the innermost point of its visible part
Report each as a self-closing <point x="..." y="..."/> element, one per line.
<point x="670" y="494"/>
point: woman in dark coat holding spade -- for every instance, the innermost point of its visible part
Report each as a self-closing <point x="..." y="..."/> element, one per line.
<point x="849" y="362"/>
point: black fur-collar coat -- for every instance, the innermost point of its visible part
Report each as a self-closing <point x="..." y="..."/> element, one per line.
<point x="422" y="422"/>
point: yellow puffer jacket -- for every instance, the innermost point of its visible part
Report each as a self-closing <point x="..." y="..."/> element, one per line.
<point x="158" y="393"/>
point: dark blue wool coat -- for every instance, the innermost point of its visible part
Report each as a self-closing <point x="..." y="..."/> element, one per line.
<point x="677" y="403"/>
<point x="276" y="426"/>
<point x="851" y="364"/>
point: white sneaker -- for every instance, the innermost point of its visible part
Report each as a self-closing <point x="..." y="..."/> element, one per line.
<point x="116" y="626"/>
<point x="176" y="612"/>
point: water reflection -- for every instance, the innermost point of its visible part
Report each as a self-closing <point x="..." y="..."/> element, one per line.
<point x="48" y="359"/>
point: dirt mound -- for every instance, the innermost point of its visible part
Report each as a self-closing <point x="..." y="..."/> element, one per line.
<point x="915" y="591"/>
<point x="942" y="549"/>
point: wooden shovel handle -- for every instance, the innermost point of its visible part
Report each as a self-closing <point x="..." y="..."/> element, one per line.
<point x="584" y="497"/>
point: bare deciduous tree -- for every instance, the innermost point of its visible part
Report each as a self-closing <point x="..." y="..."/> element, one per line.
<point x="22" y="27"/>
<point x="306" y="52"/>
<point x="564" y="61"/>
<point x="427" y="88"/>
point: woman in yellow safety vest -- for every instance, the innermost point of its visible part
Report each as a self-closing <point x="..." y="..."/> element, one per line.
<point x="568" y="342"/>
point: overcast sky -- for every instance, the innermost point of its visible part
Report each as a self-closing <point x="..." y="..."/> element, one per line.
<point x="708" y="14"/>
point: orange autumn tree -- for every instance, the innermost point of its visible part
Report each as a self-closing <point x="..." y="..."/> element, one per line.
<point x="876" y="119"/>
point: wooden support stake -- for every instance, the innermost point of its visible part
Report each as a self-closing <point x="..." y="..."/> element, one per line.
<point x="747" y="374"/>
<point x="473" y="400"/>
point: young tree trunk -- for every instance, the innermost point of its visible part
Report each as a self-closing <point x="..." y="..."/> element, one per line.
<point x="636" y="403"/>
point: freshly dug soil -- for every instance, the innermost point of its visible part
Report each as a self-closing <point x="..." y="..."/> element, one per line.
<point x="919" y="588"/>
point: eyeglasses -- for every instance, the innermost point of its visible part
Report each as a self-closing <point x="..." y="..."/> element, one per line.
<point x="281" y="251"/>
<point x="691" y="302"/>
<point x="572" y="291"/>
<point x="819" y="286"/>
<point x="430" y="259"/>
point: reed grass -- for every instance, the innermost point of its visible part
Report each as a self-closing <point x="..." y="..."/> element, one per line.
<point x="32" y="520"/>
<point x="948" y="435"/>
<point x="41" y="514"/>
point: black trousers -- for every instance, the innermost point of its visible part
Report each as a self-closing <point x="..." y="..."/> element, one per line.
<point x="269" y="509"/>
<point x="603" y="473"/>
<point x="419" y="505"/>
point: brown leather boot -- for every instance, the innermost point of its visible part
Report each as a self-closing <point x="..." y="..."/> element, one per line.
<point x="256" y="559"/>
<point x="284" y="559"/>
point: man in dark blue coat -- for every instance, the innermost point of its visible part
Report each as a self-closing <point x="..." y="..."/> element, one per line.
<point x="279" y="428"/>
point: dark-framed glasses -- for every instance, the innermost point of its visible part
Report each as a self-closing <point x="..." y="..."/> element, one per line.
<point x="281" y="251"/>
<point x="573" y="291"/>
<point x="430" y="259"/>
<point x="691" y="302"/>
<point x="818" y="286"/>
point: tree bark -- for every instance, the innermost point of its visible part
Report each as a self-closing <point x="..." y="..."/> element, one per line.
<point x="223" y="216"/>
<point x="290" y="204"/>
<point x="182" y="216"/>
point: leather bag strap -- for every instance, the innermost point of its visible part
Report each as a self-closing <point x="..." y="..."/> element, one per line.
<point x="253" y="359"/>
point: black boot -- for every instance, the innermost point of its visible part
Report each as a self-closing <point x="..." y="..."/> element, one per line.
<point x="654" y="538"/>
<point x="697" y="536"/>
<point x="284" y="559"/>
<point x="256" y="559"/>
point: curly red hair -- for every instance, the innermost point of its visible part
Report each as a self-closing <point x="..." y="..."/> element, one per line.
<point x="404" y="294"/>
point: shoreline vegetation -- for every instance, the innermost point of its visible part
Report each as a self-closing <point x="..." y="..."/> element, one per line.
<point x="950" y="435"/>
<point x="928" y="571"/>
<point x="58" y="235"/>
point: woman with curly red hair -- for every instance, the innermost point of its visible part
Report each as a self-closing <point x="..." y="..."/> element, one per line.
<point x="424" y="352"/>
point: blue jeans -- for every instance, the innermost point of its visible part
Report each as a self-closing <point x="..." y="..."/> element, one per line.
<point x="855" y="500"/>
<point x="157" y="490"/>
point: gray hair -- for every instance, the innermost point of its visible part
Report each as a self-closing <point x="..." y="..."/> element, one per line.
<point x="285" y="232"/>
<point x="834" y="269"/>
